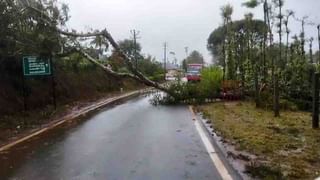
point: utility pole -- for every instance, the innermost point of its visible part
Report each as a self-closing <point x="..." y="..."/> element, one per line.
<point x="165" y="59"/>
<point x="187" y="51"/>
<point x="135" y="37"/>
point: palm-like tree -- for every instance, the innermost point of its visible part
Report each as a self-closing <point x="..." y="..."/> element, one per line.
<point x="101" y="43"/>
<point x="254" y="4"/>
<point x="286" y="23"/>
<point x="276" y="90"/>
<point x="226" y="12"/>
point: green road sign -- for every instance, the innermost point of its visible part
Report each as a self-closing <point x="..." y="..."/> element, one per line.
<point x="36" y="66"/>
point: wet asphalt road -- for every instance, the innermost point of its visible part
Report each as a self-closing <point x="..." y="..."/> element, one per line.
<point x="134" y="140"/>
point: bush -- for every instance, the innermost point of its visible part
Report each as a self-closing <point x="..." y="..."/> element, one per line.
<point x="210" y="84"/>
<point x="157" y="77"/>
<point x="288" y="105"/>
<point x="208" y="88"/>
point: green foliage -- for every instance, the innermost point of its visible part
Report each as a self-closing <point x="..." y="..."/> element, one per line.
<point x="195" y="58"/>
<point x="101" y="43"/>
<point x="251" y="3"/>
<point x="157" y="77"/>
<point x="208" y="88"/>
<point x="27" y="32"/>
<point x="76" y="79"/>
<point x="129" y="48"/>
<point x="247" y="52"/>
<point x="226" y="11"/>
<point x="239" y="27"/>
<point x="286" y="147"/>
<point x="151" y="68"/>
<point x="211" y="81"/>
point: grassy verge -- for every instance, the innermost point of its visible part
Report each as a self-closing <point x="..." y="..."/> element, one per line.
<point x="287" y="147"/>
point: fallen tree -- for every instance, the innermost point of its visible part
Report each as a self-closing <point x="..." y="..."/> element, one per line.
<point x="76" y="46"/>
<point x="135" y="73"/>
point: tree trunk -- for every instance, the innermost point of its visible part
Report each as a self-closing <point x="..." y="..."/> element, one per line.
<point x="265" y="34"/>
<point x="315" y="101"/>
<point x="276" y="83"/>
<point x="276" y="97"/>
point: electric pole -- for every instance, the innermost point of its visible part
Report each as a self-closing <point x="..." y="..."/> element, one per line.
<point x="135" y="37"/>
<point x="165" y="59"/>
<point x="187" y="51"/>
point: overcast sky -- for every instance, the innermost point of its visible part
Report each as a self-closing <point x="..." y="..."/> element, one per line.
<point x="181" y="23"/>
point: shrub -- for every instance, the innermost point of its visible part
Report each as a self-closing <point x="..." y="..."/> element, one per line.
<point x="209" y="87"/>
<point x="211" y="79"/>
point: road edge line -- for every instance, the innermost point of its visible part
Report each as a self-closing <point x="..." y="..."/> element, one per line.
<point x="223" y="171"/>
<point x="67" y="118"/>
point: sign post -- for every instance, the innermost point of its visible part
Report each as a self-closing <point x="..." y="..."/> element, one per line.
<point x="37" y="66"/>
<point x="53" y="84"/>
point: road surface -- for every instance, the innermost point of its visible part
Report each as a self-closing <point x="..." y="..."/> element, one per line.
<point x="134" y="140"/>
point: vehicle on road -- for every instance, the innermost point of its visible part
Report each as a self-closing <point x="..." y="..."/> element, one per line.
<point x="194" y="72"/>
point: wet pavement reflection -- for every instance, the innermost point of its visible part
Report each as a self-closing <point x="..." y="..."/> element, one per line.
<point x="134" y="140"/>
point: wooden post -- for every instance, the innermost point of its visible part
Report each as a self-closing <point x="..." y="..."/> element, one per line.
<point x="24" y="89"/>
<point x="315" y="101"/>
<point x="24" y="93"/>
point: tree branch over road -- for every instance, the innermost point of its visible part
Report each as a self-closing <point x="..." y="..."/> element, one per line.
<point x="136" y="74"/>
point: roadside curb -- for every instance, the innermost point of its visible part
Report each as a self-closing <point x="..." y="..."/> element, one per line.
<point x="233" y="172"/>
<point x="71" y="117"/>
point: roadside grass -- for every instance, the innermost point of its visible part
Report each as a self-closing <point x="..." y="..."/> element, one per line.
<point x="286" y="147"/>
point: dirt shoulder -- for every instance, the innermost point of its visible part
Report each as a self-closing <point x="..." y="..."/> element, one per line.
<point x="285" y="147"/>
<point x="38" y="122"/>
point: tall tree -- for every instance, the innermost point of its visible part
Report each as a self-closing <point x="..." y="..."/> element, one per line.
<point x="130" y="48"/>
<point x="310" y="50"/>
<point x="286" y="23"/>
<point x="226" y="12"/>
<point x="101" y="43"/>
<point x="254" y="4"/>
<point x="276" y="89"/>
<point x="195" y="58"/>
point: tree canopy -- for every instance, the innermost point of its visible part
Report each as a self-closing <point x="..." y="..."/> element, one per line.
<point x="239" y="27"/>
<point x="195" y="57"/>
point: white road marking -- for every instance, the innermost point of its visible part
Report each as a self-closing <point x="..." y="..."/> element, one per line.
<point x="211" y="150"/>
